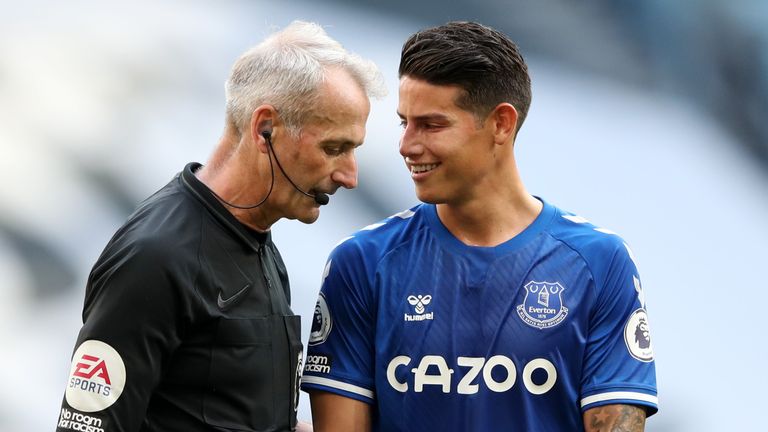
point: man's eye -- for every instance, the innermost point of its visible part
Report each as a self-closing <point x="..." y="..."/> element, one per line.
<point x="333" y="151"/>
<point x="403" y="124"/>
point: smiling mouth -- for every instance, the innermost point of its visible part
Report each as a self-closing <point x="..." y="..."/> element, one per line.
<point x="422" y="168"/>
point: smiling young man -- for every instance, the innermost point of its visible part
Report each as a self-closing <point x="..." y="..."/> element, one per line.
<point x="187" y="323"/>
<point x="485" y="308"/>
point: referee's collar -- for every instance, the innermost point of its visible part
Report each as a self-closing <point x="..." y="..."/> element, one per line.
<point x="200" y="191"/>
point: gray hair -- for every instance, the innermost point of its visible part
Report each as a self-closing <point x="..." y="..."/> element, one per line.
<point x="286" y="71"/>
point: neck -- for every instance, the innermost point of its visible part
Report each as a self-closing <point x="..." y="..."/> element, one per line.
<point x="490" y="223"/>
<point x="239" y="175"/>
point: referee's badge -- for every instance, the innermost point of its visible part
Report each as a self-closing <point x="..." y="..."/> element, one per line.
<point x="543" y="305"/>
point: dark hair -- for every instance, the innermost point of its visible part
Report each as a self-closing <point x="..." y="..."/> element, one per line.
<point x="482" y="61"/>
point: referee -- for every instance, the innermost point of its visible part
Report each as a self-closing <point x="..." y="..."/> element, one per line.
<point x="187" y="324"/>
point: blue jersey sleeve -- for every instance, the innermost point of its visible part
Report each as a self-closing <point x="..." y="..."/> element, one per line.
<point x="340" y="353"/>
<point x="619" y="364"/>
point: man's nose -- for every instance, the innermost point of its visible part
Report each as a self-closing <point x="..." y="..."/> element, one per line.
<point x="409" y="143"/>
<point x="346" y="173"/>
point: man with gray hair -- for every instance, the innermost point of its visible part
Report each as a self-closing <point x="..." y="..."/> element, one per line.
<point x="187" y="324"/>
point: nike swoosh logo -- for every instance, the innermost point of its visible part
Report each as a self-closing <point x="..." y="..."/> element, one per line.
<point x="226" y="304"/>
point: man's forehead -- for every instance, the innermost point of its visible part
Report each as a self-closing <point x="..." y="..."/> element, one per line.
<point x="428" y="108"/>
<point x="423" y="99"/>
<point x="410" y="83"/>
<point x="334" y="132"/>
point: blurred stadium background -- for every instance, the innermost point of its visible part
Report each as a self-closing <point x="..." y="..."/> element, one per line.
<point x="648" y="118"/>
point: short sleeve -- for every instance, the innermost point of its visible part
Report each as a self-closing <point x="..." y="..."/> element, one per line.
<point x="340" y="353"/>
<point x="619" y="363"/>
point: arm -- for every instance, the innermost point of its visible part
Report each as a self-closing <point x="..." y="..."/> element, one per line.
<point x="615" y="418"/>
<point x="618" y="368"/>
<point x="332" y="412"/>
<point x="129" y="330"/>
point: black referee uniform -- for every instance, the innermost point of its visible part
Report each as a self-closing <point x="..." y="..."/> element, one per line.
<point x="187" y="325"/>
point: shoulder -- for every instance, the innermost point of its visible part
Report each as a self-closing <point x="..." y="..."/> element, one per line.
<point x="585" y="237"/>
<point x="164" y="228"/>
<point x="376" y="240"/>
<point x="601" y="248"/>
<point x="153" y="257"/>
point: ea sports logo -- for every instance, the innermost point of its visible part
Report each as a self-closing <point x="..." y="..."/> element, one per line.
<point x="96" y="378"/>
<point x="85" y="368"/>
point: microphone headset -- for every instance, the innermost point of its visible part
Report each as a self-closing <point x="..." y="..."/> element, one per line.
<point x="320" y="198"/>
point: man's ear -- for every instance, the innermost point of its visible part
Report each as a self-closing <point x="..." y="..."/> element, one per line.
<point x="262" y="120"/>
<point x="504" y="118"/>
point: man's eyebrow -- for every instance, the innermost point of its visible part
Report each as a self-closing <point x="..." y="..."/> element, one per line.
<point x="341" y="142"/>
<point x="427" y="117"/>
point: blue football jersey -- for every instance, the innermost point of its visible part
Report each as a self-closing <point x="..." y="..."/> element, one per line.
<point x="523" y="336"/>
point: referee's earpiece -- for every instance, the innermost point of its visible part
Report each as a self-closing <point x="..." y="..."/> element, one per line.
<point x="319" y="197"/>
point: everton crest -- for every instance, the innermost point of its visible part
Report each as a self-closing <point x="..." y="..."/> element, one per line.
<point x="543" y="305"/>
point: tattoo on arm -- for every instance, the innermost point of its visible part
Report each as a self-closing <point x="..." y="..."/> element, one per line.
<point x="615" y="418"/>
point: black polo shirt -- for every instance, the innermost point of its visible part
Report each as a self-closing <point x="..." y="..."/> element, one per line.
<point x="187" y="324"/>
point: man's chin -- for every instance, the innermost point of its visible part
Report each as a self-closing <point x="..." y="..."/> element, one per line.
<point x="309" y="217"/>
<point x="428" y="198"/>
<point x="303" y="212"/>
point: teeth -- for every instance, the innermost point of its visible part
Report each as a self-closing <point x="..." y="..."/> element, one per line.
<point x="417" y="169"/>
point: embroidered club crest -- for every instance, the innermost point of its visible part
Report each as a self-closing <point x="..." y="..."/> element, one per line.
<point x="543" y="305"/>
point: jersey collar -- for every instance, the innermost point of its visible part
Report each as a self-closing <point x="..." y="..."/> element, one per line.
<point x="200" y="191"/>
<point x="538" y="225"/>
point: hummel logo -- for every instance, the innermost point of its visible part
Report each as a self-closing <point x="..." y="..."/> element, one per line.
<point x="226" y="304"/>
<point x="419" y="303"/>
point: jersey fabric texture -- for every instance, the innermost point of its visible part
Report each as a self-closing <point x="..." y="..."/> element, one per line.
<point x="187" y="325"/>
<point x="524" y="336"/>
